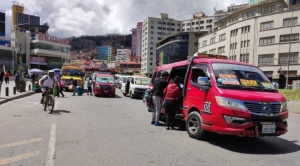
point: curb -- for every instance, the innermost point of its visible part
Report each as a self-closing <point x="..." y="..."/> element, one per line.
<point x="17" y="97"/>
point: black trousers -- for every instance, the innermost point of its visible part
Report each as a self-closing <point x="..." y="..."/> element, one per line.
<point x="89" y="90"/>
<point x="60" y="92"/>
<point x="171" y="107"/>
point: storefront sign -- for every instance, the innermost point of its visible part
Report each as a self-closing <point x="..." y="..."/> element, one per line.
<point x="38" y="60"/>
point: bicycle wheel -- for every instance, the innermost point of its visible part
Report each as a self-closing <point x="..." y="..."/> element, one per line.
<point x="50" y="105"/>
<point x="45" y="99"/>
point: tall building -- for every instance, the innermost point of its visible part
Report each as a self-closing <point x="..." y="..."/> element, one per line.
<point x="19" y="18"/>
<point x="104" y="53"/>
<point x="155" y="29"/>
<point x="2" y="24"/>
<point x="261" y="35"/>
<point x="136" y="43"/>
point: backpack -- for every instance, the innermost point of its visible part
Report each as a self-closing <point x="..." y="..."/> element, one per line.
<point x="46" y="79"/>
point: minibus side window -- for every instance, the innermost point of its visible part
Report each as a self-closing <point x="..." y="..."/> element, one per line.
<point x="197" y="73"/>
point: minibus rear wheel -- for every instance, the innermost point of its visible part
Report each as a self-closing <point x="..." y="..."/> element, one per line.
<point x="194" y="126"/>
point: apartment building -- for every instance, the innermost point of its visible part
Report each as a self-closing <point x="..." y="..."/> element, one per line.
<point x="260" y="35"/>
<point x="136" y="42"/>
<point x="123" y="55"/>
<point x="199" y="22"/>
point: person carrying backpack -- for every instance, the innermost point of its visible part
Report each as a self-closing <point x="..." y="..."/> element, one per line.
<point x="47" y="82"/>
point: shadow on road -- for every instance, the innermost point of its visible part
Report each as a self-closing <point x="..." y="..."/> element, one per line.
<point x="58" y="112"/>
<point x="105" y="96"/>
<point x="263" y="145"/>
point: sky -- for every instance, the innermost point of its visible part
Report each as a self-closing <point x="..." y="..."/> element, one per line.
<point x="68" y="18"/>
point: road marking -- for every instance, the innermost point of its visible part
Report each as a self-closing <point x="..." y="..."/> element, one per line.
<point x="20" y="143"/>
<point x="51" y="147"/>
<point x="19" y="157"/>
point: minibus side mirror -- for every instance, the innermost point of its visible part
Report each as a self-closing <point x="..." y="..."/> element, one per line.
<point x="203" y="81"/>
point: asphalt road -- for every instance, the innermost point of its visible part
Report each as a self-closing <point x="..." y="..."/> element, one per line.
<point x="92" y="131"/>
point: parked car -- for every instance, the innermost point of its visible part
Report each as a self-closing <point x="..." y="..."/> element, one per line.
<point x="105" y="85"/>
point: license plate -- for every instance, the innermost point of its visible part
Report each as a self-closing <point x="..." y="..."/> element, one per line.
<point x="106" y="91"/>
<point x="268" y="129"/>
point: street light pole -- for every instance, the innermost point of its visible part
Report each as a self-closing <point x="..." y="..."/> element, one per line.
<point x="290" y="45"/>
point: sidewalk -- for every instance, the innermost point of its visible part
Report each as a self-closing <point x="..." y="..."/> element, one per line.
<point x="294" y="106"/>
<point x="11" y="96"/>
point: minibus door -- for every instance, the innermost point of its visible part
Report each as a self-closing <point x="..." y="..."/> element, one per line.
<point x="195" y="96"/>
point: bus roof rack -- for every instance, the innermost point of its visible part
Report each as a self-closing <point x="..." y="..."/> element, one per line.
<point x="211" y="56"/>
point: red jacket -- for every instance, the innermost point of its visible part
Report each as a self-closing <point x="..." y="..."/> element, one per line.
<point x="172" y="92"/>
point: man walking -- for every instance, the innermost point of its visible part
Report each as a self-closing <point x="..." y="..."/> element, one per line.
<point x="159" y="86"/>
<point x="74" y="85"/>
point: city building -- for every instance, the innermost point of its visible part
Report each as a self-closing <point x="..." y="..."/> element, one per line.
<point x="136" y="42"/>
<point x="220" y="14"/>
<point x="123" y="55"/>
<point x="155" y="29"/>
<point x="2" y="23"/>
<point x="20" y="18"/>
<point x="177" y="47"/>
<point x="104" y="53"/>
<point x="263" y="34"/>
<point x="293" y="2"/>
<point x="199" y="22"/>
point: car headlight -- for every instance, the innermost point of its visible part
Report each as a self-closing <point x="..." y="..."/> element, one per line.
<point x="231" y="103"/>
<point x="97" y="86"/>
<point x="283" y="107"/>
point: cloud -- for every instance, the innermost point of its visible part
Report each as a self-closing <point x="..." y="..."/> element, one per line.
<point x="98" y="17"/>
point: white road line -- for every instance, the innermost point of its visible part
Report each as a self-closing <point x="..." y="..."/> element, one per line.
<point x="51" y="147"/>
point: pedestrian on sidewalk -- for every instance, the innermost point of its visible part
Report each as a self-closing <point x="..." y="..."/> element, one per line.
<point x="17" y="77"/>
<point x="159" y="86"/>
<point x="172" y="94"/>
<point x="89" y="85"/>
<point x="7" y="77"/>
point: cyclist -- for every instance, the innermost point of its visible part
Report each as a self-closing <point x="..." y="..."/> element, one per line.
<point x="47" y="82"/>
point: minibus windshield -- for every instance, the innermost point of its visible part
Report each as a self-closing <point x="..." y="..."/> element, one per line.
<point x="233" y="76"/>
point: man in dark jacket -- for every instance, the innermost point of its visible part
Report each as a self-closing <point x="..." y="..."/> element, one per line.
<point x="159" y="86"/>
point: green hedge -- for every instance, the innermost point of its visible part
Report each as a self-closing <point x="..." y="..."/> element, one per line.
<point x="290" y="94"/>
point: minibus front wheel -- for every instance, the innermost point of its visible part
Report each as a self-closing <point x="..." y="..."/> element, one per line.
<point x="194" y="126"/>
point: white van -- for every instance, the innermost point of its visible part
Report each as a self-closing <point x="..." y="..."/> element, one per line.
<point x="138" y="86"/>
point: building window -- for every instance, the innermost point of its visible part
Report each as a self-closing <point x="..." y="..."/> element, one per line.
<point x="151" y="64"/>
<point x="244" y="58"/>
<point x="245" y="43"/>
<point x="266" y="59"/>
<point x="152" y="32"/>
<point x="151" y="53"/>
<point x="267" y="40"/>
<point x="290" y="21"/>
<point x="213" y="40"/>
<point x="159" y="22"/>
<point x="152" y="27"/>
<point x="286" y="38"/>
<point x="233" y="46"/>
<point x="222" y="37"/>
<point x="267" y="25"/>
<point x="158" y="27"/>
<point x="201" y="22"/>
<point x="246" y="29"/>
<point x="201" y="28"/>
<point x="188" y="24"/>
<point x="234" y="32"/>
<point x="213" y="51"/>
<point x="151" y="43"/>
<point x="159" y="38"/>
<point x="232" y="57"/>
<point x="267" y="10"/>
<point x="151" y="48"/>
<point x="283" y="58"/>
<point x="223" y="24"/>
<point x="221" y="50"/>
<point x="204" y="43"/>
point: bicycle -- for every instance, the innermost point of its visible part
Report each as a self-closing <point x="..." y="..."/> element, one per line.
<point x="48" y="100"/>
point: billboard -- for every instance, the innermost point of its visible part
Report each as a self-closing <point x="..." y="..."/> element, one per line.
<point x="254" y="2"/>
<point x="2" y="24"/>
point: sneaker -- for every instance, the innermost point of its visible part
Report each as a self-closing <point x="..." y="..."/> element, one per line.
<point x="63" y="96"/>
<point x="152" y="122"/>
<point x="167" y="128"/>
<point x="45" y="110"/>
<point x="157" y="124"/>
